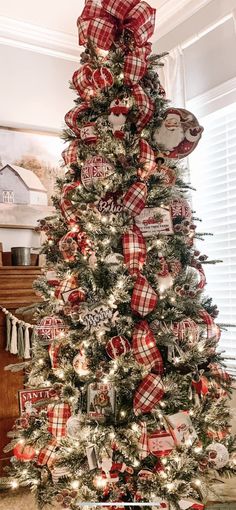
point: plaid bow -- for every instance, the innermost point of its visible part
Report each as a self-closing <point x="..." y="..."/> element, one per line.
<point x="146" y="160"/>
<point x="134" y="250"/>
<point x="57" y="415"/>
<point x="144" y="298"/>
<point x="135" y="198"/>
<point x="87" y="82"/>
<point x="72" y="116"/>
<point x="48" y="454"/>
<point x="145" y="349"/>
<point x="134" y="69"/>
<point x="70" y="153"/>
<point x="148" y="394"/>
<point x="98" y="25"/>
<point x="145" y="106"/>
<point x="143" y="441"/>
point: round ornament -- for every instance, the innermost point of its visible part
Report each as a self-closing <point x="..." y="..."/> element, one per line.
<point x="50" y="327"/>
<point x="180" y="208"/>
<point x="23" y="452"/>
<point x="218" y="455"/>
<point x="94" y="170"/>
<point x="186" y="329"/>
<point x="73" y="427"/>
<point x="80" y="364"/>
<point x="117" y="346"/>
<point x="178" y="134"/>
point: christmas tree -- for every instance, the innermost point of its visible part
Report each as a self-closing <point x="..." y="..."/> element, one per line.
<point x="135" y="406"/>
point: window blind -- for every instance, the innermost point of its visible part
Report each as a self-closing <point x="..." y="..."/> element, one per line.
<point x="213" y="174"/>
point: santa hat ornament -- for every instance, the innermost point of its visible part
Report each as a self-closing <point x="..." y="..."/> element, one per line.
<point x="117" y="116"/>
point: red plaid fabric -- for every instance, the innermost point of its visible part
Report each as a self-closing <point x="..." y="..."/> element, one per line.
<point x="70" y="153"/>
<point x="101" y="32"/>
<point x="67" y="211"/>
<point x="135" y="198"/>
<point x="141" y="21"/>
<point x="53" y="350"/>
<point x="47" y="455"/>
<point x="82" y="81"/>
<point x="57" y="415"/>
<point x="148" y="394"/>
<point x="145" y="105"/>
<point x="144" y="299"/>
<point x="72" y="116"/>
<point x="134" y="69"/>
<point x="143" y="441"/>
<point x="134" y="250"/>
<point x="202" y="275"/>
<point x="119" y="8"/>
<point x="146" y="160"/>
<point x="145" y="349"/>
<point x="206" y="317"/>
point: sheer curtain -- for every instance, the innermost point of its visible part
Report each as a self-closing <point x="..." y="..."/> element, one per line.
<point x="172" y="77"/>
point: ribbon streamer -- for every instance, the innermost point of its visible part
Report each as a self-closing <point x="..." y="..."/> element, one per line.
<point x="145" y="349"/>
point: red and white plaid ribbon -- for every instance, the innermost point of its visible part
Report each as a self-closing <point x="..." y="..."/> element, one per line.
<point x="57" y="415"/>
<point x="99" y="24"/>
<point x="47" y="455"/>
<point x="143" y="441"/>
<point x="209" y="321"/>
<point x="135" y="198"/>
<point x="70" y="153"/>
<point x="145" y="106"/>
<point x="148" y="394"/>
<point x="144" y="298"/>
<point x="72" y="116"/>
<point x="53" y="350"/>
<point x="134" y="250"/>
<point x="134" y="69"/>
<point x="87" y="82"/>
<point x="66" y="205"/>
<point x="145" y="349"/>
<point x="146" y="160"/>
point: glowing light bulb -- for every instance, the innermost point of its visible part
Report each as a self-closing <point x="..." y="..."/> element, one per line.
<point x="198" y="449"/>
<point x="123" y="413"/>
<point x="14" y="484"/>
<point x="100" y="482"/>
<point x="170" y="486"/>
<point x="74" y="484"/>
<point x="135" y="427"/>
<point x="136" y="463"/>
<point x="198" y="482"/>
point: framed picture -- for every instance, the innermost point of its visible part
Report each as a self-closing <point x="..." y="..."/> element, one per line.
<point x="27" y="398"/>
<point x="29" y="165"/>
<point x="100" y="400"/>
<point x="155" y="220"/>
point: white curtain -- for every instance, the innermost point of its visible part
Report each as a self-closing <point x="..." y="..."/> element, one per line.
<point x="172" y="77"/>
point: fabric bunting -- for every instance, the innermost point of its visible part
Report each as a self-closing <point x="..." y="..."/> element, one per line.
<point x="57" y="415"/>
<point x="144" y="348"/>
<point x="135" y="198"/>
<point x="98" y="25"/>
<point x="134" y="250"/>
<point x="148" y="394"/>
<point x="144" y="298"/>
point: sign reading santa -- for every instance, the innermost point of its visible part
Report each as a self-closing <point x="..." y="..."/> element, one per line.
<point x="178" y="134"/>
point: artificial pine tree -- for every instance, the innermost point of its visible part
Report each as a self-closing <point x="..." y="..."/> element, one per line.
<point x="127" y="341"/>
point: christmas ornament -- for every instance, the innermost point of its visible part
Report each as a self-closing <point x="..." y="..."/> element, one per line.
<point x="178" y="134"/>
<point x="100" y="25"/>
<point x="160" y="443"/>
<point x="88" y="132"/>
<point x="145" y="474"/>
<point x="134" y="250"/>
<point x="50" y="327"/>
<point x="167" y="174"/>
<point x="23" y="452"/>
<point x="80" y="364"/>
<point x="111" y="470"/>
<point x="117" y="116"/>
<point x="59" y="472"/>
<point x="135" y="198"/>
<point x="181" y="428"/>
<point x="111" y="203"/>
<point x="66" y="497"/>
<point x="148" y="394"/>
<point x="98" y="317"/>
<point x="180" y="208"/>
<point x="57" y="415"/>
<point x="29" y="397"/>
<point x="100" y="400"/>
<point x="73" y="427"/>
<point x="218" y="455"/>
<point x="94" y="170"/>
<point x="117" y="346"/>
<point x="92" y="457"/>
<point x="186" y="330"/>
<point x="146" y="159"/>
<point x="52" y="278"/>
<point x="154" y="220"/>
<point x="144" y="298"/>
<point x="102" y="78"/>
<point x="145" y="349"/>
<point x="69" y="291"/>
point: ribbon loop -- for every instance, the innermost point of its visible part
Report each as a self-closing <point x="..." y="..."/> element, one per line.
<point x="134" y="250"/>
<point x="145" y="349"/>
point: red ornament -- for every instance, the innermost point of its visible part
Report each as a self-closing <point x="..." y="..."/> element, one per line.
<point x="69" y="291"/>
<point x="24" y="452"/>
<point x="117" y="346"/>
<point x="52" y="278"/>
<point x="50" y="327"/>
<point x="95" y="169"/>
<point x="102" y="78"/>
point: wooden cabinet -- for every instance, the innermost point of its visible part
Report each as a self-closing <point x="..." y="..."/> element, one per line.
<point x="15" y="291"/>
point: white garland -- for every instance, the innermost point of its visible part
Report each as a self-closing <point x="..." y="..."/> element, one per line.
<point x="19" y="338"/>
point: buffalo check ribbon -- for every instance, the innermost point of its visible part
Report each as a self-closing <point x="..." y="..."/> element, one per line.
<point x="135" y="198"/>
<point x="144" y="298"/>
<point x="145" y="349"/>
<point x="48" y="455"/>
<point x="72" y="116"/>
<point x="143" y="446"/>
<point x="147" y="160"/>
<point x="148" y="394"/>
<point x="57" y="416"/>
<point x="100" y="23"/>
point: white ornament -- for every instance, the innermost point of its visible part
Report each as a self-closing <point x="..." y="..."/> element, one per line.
<point x="218" y="455"/>
<point x="117" y="116"/>
<point x="98" y="317"/>
<point x="73" y="427"/>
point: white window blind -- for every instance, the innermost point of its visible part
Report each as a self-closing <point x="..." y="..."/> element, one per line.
<point x="213" y="173"/>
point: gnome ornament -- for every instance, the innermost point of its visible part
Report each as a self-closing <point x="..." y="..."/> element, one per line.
<point x="117" y="116"/>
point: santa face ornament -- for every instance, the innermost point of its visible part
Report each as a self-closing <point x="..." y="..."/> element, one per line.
<point x="178" y="134"/>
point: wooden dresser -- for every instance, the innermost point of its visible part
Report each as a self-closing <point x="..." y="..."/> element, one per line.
<point x="15" y="291"/>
